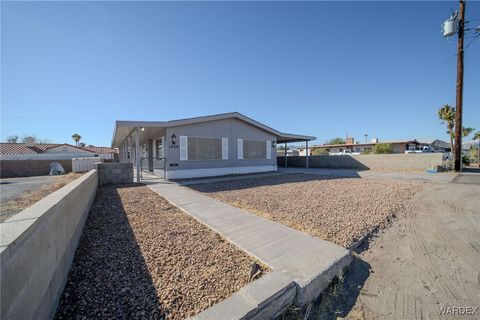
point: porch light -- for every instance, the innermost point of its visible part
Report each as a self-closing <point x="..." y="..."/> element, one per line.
<point x="274" y="144"/>
<point x="142" y="128"/>
<point x="174" y="139"/>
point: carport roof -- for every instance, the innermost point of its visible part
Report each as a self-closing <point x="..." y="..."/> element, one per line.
<point x="123" y="129"/>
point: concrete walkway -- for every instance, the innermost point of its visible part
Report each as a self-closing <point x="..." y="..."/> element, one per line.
<point x="302" y="265"/>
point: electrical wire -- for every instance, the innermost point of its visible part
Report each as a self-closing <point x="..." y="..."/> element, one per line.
<point x="54" y="119"/>
<point x="474" y="38"/>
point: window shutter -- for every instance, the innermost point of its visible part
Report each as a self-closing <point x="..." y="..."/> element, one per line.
<point x="269" y="149"/>
<point x="239" y="149"/>
<point x="183" y="148"/>
<point x="224" y="148"/>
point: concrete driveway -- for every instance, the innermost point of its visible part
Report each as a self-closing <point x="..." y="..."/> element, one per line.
<point x="12" y="188"/>
<point x="425" y="266"/>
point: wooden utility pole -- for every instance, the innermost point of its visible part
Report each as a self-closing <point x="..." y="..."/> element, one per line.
<point x="458" y="107"/>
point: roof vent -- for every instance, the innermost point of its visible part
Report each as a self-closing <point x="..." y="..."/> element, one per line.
<point x="29" y="141"/>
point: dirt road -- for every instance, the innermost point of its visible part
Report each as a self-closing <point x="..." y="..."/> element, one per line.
<point x="427" y="261"/>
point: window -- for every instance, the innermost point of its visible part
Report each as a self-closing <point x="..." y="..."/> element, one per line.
<point x="254" y="149"/>
<point x="206" y="148"/>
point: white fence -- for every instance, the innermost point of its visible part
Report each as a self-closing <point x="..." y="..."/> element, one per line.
<point x="84" y="164"/>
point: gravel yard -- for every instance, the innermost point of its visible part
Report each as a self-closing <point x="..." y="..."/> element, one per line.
<point x="340" y="210"/>
<point x="17" y="194"/>
<point x="139" y="257"/>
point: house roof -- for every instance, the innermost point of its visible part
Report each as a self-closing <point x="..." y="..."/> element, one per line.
<point x="123" y="129"/>
<point x="21" y="148"/>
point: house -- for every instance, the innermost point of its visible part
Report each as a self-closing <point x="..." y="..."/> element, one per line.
<point x="33" y="159"/>
<point x="31" y="150"/>
<point x="398" y="146"/>
<point x="214" y="145"/>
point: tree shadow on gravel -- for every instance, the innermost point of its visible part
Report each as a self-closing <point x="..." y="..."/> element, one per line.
<point x="339" y="298"/>
<point x="273" y="180"/>
<point x="109" y="278"/>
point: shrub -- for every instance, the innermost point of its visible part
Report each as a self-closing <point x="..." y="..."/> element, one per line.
<point x="319" y="152"/>
<point x="337" y="140"/>
<point x="473" y="154"/>
<point x="382" y="148"/>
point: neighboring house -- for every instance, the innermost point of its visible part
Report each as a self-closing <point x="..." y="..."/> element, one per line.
<point x="31" y="151"/>
<point x="290" y="152"/>
<point x="467" y="145"/>
<point x="33" y="159"/>
<point x="215" y="145"/>
<point x="397" y="146"/>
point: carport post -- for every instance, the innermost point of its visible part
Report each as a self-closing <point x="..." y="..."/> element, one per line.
<point x="137" y="152"/>
<point x="285" y="154"/>
<point x="150" y="155"/>
<point x="306" y="150"/>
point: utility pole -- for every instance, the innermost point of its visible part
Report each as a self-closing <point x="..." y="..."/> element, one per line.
<point x="459" y="98"/>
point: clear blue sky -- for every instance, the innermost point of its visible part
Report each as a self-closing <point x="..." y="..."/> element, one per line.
<point x="316" y="68"/>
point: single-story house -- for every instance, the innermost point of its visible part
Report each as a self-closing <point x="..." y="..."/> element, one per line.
<point x="214" y="145"/>
<point x="29" y="151"/>
<point x="33" y="159"/>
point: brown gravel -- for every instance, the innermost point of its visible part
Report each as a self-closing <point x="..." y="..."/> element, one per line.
<point x="334" y="209"/>
<point x="142" y="258"/>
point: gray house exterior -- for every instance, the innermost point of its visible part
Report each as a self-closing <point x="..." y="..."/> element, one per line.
<point x="216" y="145"/>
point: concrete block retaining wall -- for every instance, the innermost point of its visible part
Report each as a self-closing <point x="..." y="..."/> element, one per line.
<point x="397" y="162"/>
<point x="37" y="247"/>
<point x="28" y="168"/>
<point x="115" y="173"/>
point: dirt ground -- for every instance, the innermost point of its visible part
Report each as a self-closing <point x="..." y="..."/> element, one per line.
<point x="20" y="193"/>
<point x="427" y="262"/>
<point x="139" y="257"/>
<point x="341" y="210"/>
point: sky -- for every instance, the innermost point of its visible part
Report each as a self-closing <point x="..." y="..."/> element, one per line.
<point x="325" y="69"/>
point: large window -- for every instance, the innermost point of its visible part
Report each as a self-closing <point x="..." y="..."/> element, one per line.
<point x="254" y="149"/>
<point x="204" y="148"/>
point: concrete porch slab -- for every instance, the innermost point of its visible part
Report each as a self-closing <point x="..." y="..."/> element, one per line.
<point x="302" y="266"/>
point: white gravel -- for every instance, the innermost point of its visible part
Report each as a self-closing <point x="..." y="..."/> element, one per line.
<point x="340" y="210"/>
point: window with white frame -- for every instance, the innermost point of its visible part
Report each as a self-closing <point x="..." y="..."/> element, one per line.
<point x="255" y="149"/>
<point x="201" y="148"/>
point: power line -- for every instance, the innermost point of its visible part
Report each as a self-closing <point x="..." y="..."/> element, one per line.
<point x="55" y="119"/>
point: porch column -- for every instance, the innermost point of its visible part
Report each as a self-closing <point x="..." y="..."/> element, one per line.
<point x="285" y="154"/>
<point x="150" y="154"/>
<point x="306" y="150"/>
<point x="125" y="152"/>
<point x="137" y="152"/>
<point x="129" y="150"/>
<point x="157" y="149"/>
<point x="121" y="153"/>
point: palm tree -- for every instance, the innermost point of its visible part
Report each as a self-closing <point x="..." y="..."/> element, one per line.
<point x="447" y="115"/>
<point x="76" y="137"/>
